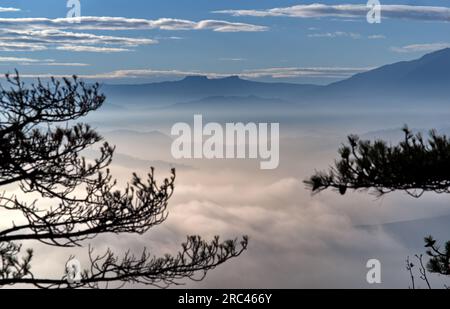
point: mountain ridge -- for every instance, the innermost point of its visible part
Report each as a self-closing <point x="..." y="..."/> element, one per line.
<point x="419" y="80"/>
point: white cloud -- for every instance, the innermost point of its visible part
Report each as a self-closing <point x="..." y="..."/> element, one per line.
<point x="340" y="34"/>
<point x="232" y="59"/>
<point x="16" y="46"/>
<point x="122" y="23"/>
<point x="413" y="48"/>
<point x="30" y="40"/>
<point x="294" y="72"/>
<point x="65" y="64"/>
<point x="54" y="36"/>
<point x="38" y="62"/>
<point x="304" y="11"/>
<point x="3" y="10"/>
<point x="276" y="73"/>
<point x="335" y="34"/>
<point x="376" y="37"/>
<point x="35" y="34"/>
<point x="91" y="49"/>
<point x="316" y="10"/>
<point x="223" y="26"/>
<point x="53" y="63"/>
<point x="16" y="59"/>
<point x="169" y="38"/>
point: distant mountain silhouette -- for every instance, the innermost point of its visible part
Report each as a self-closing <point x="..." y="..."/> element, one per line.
<point x="429" y="73"/>
<point x="425" y="81"/>
<point x="432" y="70"/>
<point x="199" y="87"/>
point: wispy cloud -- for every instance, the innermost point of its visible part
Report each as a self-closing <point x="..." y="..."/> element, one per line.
<point x="61" y="64"/>
<point x="224" y="26"/>
<point x="17" y="59"/>
<point x="92" y="49"/>
<point x="4" y="10"/>
<point x="37" y="34"/>
<point x="427" y="47"/>
<point x="31" y="40"/>
<point x="17" y="46"/>
<point x="54" y="36"/>
<point x="345" y="11"/>
<point x="122" y="23"/>
<point x="304" y="11"/>
<point x="169" y="38"/>
<point x="276" y="73"/>
<point x="335" y="34"/>
<point x="311" y="72"/>
<point x="343" y="34"/>
<point x="376" y="37"/>
<point x="232" y="59"/>
<point x="37" y="62"/>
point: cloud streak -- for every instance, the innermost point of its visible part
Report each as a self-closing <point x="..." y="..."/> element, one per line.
<point x="122" y="23"/>
<point x="17" y="46"/>
<point x="232" y="59"/>
<point x="5" y="10"/>
<point x="276" y="73"/>
<point x="53" y="36"/>
<point x="376" y="37"/>
<point x="335" y="34"/>
<point x="317" y="10"/>
<point x="38" y="62"/>
<point x="37" y="34"/>
<point x="312" y="72"/>
<point x="415" y="48"/>
<point x="17" y="59"/>
<point x="37" y="40"/>
<point x="91" y="49"/>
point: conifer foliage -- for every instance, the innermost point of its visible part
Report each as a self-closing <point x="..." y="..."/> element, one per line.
<point x="41" y="146"/>
<point x="415" y="165"/>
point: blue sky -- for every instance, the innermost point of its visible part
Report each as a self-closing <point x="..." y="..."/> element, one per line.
<point x="167" y="39"/>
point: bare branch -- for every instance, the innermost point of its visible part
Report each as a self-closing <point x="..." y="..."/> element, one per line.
<point x="40" y="151"/>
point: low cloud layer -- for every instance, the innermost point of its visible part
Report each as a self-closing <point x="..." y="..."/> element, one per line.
<point x="276" y="73"/>
<point x="296" y="240"/>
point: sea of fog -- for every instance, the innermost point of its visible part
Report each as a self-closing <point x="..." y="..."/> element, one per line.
<point x="297" y="240"/>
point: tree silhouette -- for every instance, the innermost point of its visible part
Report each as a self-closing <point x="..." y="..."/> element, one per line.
<point x="414" y="166"/>
<point x="41" y="152"/>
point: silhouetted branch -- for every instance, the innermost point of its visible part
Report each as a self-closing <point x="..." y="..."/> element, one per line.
<point x="137" y="209"/>
<point x="414" y="165"/>
<point x="423" y="270"/>
<point x="409" y="268"/>
<point x="44" y="158"/>
<point x="193" y="262"/>
<point x="439" y="262"/>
